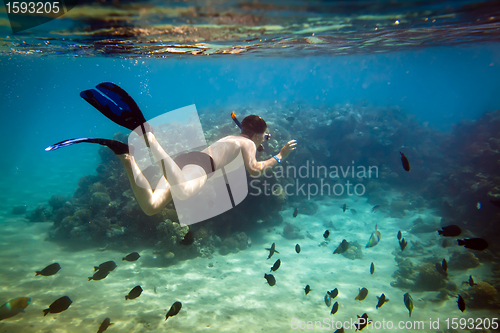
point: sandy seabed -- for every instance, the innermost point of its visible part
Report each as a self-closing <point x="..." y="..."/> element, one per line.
<point x="229" y="293"/>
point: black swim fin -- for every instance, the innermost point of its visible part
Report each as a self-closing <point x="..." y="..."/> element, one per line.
<point x="116" y="104"/>
<point x="117" y="147"/>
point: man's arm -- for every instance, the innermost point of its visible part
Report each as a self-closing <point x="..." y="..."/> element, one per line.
<point x="256" y="168"/>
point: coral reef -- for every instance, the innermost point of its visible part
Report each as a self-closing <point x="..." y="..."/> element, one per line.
<point x="423" y="277"/>
<point x="428" y="278"/>
<point x="403" y="274"/>
<point x="470" y="183"/>
<point x="291" y="231"/>
<point x="463" y="260"/>
<point x="355" y="251"/>
<point x="420" y="226"/>
<point x="169" y="247"/>
<point x="56" y="202"/>
<point x="453" y="181"/>
<point x="238" y="241"/>
<point x="481" y="296"/>
<point x="39" y="214"/>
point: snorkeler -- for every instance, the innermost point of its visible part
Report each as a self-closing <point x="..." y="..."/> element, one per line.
<point x="185" y="175"/>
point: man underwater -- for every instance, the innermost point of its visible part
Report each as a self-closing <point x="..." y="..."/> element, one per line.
<point x="185" y="175"/>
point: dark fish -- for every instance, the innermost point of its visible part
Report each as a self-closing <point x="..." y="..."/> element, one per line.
<point x="295" y="212"/>
<point x="450" y="231"/>
<point x="342" y="247"/>
<point x="328" y="299"/>
<point x="444" y="264"/>
<point x="132" y="256"/>
<point x="344" y="207"/>
<point x="270" y="279"/>
<point x="362" y="322"/>
<point x="276" y="265"/>
<point x="402" y="244"/>
<point x="59" y="305"/>
<point x="174" y="309"/>
<point x="106" y="266"/>
<point x="13" y="307"/>
<point x="381" y="301"/>
<point x="408" y="302"/>
<point x="372" y="268"/>
<point x="471" y="281"/>
<point x="307" y="289"/>
<point x="399" y="235"/>
<point x="333" y="293"/>
<point x="353" y="211"/>
<point x="375" y="208"/>
<point x="105" y="324"/>
<point x="461" y="303"/>
<point x="272" y="250"/>
<point x="326" y="234"/>
<point x="478" y="244"/>
<point x="134" y="293"/>
<point x="290" y="119"/>
<point x="335" y="308"/>
<point x="340" y="330"/>
<point x="363" y="292"/>
<point x="49" y="270"/>
<point x="188" y="238"/>
<point x="404" y="160"/>
<point x="99" y="275"/>
<point x="297" y="248"/>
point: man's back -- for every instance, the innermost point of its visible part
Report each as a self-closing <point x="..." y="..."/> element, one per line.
<point x="227" y="149"/>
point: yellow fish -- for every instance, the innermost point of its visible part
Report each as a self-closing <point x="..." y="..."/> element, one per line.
<point x="374" y="238"/>
<point x="408" y="302"/>
<point x="13" y="307"/>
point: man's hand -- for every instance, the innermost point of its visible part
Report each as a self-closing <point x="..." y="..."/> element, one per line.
<point x="287" y="149"/>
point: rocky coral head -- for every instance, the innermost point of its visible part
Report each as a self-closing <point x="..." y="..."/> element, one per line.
<point x="482" y="296"/>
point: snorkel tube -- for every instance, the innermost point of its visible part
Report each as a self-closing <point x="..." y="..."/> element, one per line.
<point x="237" y="122"/>
<point x="233" y="115"/>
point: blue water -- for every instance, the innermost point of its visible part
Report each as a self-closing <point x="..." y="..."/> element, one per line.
<point x="40" y="100"/>
<point x="40" y="104"/>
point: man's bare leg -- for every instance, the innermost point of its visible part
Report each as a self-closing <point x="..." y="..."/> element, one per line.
<point x="183" y="183"/>
<point x="150" y="201"/>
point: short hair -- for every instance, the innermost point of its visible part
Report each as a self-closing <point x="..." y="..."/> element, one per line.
<point x="253" y="124"/>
